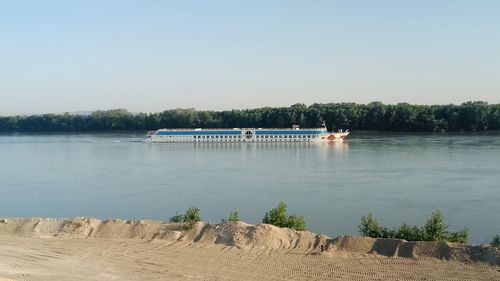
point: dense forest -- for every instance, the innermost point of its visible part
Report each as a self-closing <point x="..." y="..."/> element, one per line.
<point x="470" y="116"/>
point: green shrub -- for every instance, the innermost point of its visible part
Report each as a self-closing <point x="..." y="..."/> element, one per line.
<point x="369" y="226"/>
<point x="234" y="216"/>
<point x="296" y="222"/>
<point x="191" y="216"/>
<point x="496" y="241"/>
<point x="278" y="217"/>
<point x="435" y="229"/>
<point x="460" y="237"/>
<point x="405" y="231"/>
<point x="177" y="218"/>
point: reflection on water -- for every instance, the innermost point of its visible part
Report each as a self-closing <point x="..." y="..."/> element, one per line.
<point x="394" y="176"/>
<point x="321" y="148"/>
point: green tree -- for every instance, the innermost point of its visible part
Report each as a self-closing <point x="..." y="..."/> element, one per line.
<point x="469" y="116"/>
<point x="435" y="228"/>
<point x="278" y="217"/>
<point x="369" y="226"/>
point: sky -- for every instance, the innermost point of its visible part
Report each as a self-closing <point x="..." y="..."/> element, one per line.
<point x="149" y="56"/>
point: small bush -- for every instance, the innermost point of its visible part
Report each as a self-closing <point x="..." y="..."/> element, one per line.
<point x="278" y="217"/>
<point x="496" y="241"/>
<point x="409" y="233"/>
<point x="177" y="218"/>
<point x="234" y="216"/>
<point x="191" y="216"/>
<point x="296" y="222"/>
<point x="435" y="229"/>
<point x="369" y="226"/>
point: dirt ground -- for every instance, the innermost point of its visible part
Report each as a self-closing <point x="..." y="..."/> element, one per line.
<point x="35" y="258"/>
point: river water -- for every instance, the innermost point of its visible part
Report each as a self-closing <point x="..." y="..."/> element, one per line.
<point x="396" y="177"/>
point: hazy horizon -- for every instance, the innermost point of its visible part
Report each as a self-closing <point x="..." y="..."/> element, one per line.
<point x="60" y="56"/>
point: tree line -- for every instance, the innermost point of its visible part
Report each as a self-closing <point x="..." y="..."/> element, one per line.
<point x="469" y="116"/>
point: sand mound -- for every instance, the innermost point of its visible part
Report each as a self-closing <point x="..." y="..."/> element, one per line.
<point x="245" y="236"/>
<point x="237" y="234"/>
<point x="416" y="249"/>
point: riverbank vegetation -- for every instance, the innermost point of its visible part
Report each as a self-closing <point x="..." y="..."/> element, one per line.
<point x="278" y="217"/>
<point x="191" y="216"/>
<point x="435" y="229"/>
<point x="233" y="216"/>
<point x="495" y="241"/>
<point x="470" y="116"/>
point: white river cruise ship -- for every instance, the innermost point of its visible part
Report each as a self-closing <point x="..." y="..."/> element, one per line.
<point x="294" y="134"/>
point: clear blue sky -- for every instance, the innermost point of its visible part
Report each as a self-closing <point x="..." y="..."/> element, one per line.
<point x="58" y="56"/>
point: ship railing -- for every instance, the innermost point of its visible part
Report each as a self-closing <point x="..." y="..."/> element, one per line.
<point x="199" y="129"/>
<point x="234" y="129"/>
<point x="291" y="129"/>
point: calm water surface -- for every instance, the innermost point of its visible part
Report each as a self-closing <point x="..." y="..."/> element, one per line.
<point x="394" y="176"/>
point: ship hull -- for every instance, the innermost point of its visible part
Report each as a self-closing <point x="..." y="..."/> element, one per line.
<point x="245" y="135"/>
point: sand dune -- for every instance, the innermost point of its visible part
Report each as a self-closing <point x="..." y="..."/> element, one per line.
<point x="91" y="249"/>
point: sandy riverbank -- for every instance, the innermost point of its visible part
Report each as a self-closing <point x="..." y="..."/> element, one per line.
<point x="90" y="249"/>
